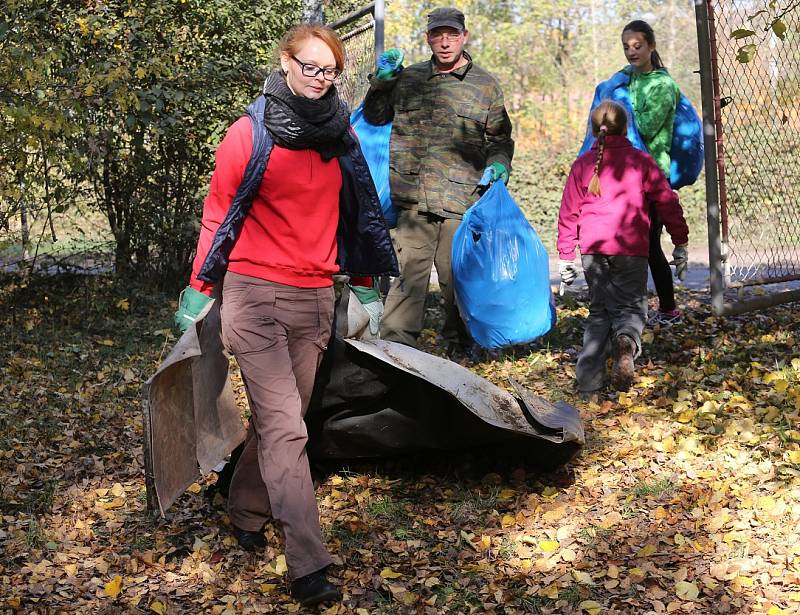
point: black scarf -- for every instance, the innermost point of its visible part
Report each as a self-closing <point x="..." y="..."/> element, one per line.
<point x="296" y="122"/>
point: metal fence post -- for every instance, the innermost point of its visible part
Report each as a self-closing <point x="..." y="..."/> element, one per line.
<point x="752" y="133"/>
<point x="710" y="149"/>
<point x="379" y="15"/>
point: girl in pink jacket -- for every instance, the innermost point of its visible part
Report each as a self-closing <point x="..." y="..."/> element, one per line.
<point x="605" y="212"/>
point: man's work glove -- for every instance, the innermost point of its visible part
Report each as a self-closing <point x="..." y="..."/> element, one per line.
<point x="568" y="271"/>
<point x="390" y="63"/>
<point x="190" y="303"/>
<point x="370" y="300"/>
<point x="680" y="258"/>
<point x="492" y="173"/>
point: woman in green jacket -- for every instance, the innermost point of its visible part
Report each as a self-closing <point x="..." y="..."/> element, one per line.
<point x="654" y="98"/>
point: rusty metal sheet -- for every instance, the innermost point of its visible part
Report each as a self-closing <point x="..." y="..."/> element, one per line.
<point x="191" y="421"/>
<point x="372" y="398"/>
<point x="381" y="398"/>
<point x="558" y="423"/>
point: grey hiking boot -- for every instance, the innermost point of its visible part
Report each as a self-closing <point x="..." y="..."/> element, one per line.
<point x="622" y="373"/>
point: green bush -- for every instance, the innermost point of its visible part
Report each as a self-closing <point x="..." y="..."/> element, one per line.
<point x="127" y="101"/>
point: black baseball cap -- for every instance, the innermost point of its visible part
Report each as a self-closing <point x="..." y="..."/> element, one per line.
<point x="447" y="17"/>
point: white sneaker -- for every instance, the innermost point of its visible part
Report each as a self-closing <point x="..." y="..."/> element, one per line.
<point x="665" y="319"/>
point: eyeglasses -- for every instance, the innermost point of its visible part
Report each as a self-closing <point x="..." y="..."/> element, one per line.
<point x="312" y="70"/>
<point x="450" y="37"/>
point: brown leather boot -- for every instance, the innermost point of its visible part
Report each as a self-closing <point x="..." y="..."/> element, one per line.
<point x="622" y="373"/>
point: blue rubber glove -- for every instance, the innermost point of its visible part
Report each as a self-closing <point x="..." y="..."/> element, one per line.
<point x="492" y="173"/>
<point x="389" y="64"/>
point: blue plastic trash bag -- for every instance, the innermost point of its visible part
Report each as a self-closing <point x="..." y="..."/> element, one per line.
<point x="501" y="273"/>
<point x="374" y="142"/>
<point x="686" y="149"/>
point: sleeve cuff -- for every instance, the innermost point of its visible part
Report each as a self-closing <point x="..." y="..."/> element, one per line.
<point x="202" y="287"/>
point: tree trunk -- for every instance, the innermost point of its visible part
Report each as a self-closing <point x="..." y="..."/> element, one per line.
<point x="24" y="228"/>
<point x="672" y="35"/>
<point x="595" y="75"/>
<point x="312" y="11"/>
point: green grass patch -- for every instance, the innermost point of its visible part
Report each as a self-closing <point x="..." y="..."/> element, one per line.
<point x="655" y="489"/>
<point x="473" y="506"/>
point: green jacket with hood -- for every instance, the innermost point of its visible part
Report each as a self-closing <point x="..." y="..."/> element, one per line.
<point x="654" y="97"/>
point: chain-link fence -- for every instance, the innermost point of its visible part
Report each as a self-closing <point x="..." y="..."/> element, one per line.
<point x="751" y="74"/>
<point x="357" y="31"/>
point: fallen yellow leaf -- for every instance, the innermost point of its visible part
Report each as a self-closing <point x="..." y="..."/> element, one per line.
<point x="774" y="610"/>
<point x="636" y="574"/>
<point x="507" y="521"/>
<point x="766" y="503"/>
<point x="568" y="555"/>
<point x="113" y="587"/>
<point x="551" y="591"/>
<point x="115" y="503"/>
<point x="117" y="490"/>
<point x="388" y="573"/>
<point x="646" y="551"/>
<point x="590" y="606"/>
<point x="158" y="607"/>
<point x="548" y="546"/>
<point x="194" y="488"/>
<point x="686" y="590"/>
<point x="277" y="566"/>
<point x="584" y="578"/>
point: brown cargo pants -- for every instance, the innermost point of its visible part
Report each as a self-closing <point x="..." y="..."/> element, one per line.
<point x="421" y="240"/>
<point x="277" y="334"/>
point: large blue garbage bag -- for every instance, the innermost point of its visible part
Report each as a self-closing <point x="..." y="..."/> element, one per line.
<point x="374" y="142"/>
<point x="686" y="149"/>
<point x="501" y="273"/>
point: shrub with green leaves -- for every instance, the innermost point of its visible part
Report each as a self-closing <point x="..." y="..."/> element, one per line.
<point x="125" y="102"/>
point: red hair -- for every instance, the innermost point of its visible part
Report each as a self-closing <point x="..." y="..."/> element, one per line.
<point x="291" y="41"/>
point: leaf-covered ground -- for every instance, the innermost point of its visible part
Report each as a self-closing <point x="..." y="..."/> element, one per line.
<point x="685" y="499"/>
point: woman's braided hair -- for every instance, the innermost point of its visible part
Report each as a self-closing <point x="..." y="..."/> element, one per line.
<point x="608" y="118"/>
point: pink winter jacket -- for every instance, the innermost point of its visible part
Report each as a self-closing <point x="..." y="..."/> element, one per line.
<point x="616" y="223"/>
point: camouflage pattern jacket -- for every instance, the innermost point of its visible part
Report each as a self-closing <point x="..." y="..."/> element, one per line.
<point x="447" y="128"/>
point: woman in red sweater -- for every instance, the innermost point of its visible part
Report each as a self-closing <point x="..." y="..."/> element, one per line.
<point x="312" y="214"/>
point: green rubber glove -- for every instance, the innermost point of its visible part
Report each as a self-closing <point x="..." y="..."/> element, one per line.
<point x="190" y="303"/>
<point x="500" y="172"/>
<point x="370" y="300"/>
<point x="389" y="64"/>
<point x="366" y="295"/>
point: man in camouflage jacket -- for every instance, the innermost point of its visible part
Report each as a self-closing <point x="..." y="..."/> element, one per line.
<point x="450" y="132"/>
